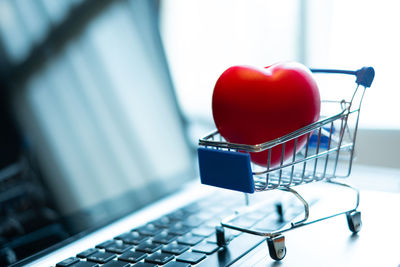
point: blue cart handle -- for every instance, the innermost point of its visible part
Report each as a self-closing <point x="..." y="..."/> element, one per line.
<point x="365" y="75"/>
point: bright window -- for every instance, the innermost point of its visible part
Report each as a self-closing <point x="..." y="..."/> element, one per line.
<point x="205" y="37"/>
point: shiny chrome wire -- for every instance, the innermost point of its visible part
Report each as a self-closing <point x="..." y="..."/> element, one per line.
<point x="310" y="164"/>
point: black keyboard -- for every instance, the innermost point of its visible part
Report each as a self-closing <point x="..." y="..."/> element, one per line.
<point x="184" y="237"/>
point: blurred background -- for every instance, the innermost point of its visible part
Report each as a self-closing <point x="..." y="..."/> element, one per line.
<point x="203" y="38"/>
<point x="74" y="73"/>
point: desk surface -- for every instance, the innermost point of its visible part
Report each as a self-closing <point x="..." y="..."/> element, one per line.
<point x="330" y="242"/>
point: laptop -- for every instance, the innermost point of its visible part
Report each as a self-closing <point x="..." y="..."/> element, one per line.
<point x="116" y="174"/>
<point x="109" y="171"/>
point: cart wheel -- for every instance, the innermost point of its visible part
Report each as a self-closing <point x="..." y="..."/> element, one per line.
<point x="354" y="221"/>
<point x="276" y="247"/>
<point x="222" y="241"/>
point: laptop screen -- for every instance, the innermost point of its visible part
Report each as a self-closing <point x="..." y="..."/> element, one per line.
<point x="100" y="122"/>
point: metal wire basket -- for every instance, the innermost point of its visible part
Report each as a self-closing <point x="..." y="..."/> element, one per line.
<point x="327" y="154"/>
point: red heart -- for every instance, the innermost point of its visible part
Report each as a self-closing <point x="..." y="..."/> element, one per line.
<point x="254" y="105"/>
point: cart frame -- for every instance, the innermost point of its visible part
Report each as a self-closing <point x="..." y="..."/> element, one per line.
<point x="329" y="149"/>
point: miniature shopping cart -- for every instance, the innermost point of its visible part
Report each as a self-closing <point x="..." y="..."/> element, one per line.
<point x="327" y="154"/>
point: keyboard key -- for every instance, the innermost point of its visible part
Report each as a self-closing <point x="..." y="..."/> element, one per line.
<point x="116" y="264"/>
<point x="132" y="238"/>
<point x="68" y="262"/>
<point x="192" y="208"/>
<point x="212" y="239"/>
<point x="190" y="239"/>
<point x="216" y="209"/>
<point x="159" y="258"/>
<point x="177" y="264"/>
<point x="164" y="238"/>
<point x="179" y="229"/>
<point x="229" y="235"/>
<point x="148" y="247"/>
<point x="148" y="229"/>
<point x="101" y="257"/>
<point x="144" y="264"/>
<point x="191" y="257"/>
<point x="204" y="231"/>
<point x="226" y="213"/>
<point x="235" y="250"/>
<point x="213" y="222"/>
<point x="104" y="244"/>
<point x="175" y="248"/>
<point x="163" y="222"/>
<point x="178" y="215"/>
<point x="85" y="264"/>
<point x="205" y="247"/>
<point x="257" y="215"/>
<point x="193" y="221"/>
<point x="207" y="214"/>
<point x="87" y="253"/>
<point x="132" y="256"/>
<point x="244" y="221"/>
<point x="118" y="247"/>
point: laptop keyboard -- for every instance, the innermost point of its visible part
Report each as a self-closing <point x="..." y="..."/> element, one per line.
<point x="184" y="237"/>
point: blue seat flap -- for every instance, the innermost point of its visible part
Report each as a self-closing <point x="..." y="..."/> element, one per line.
<point x="226" y="169"/>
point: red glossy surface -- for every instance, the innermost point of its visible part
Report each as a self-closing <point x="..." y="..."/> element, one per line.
<point x="254" y="105"/>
